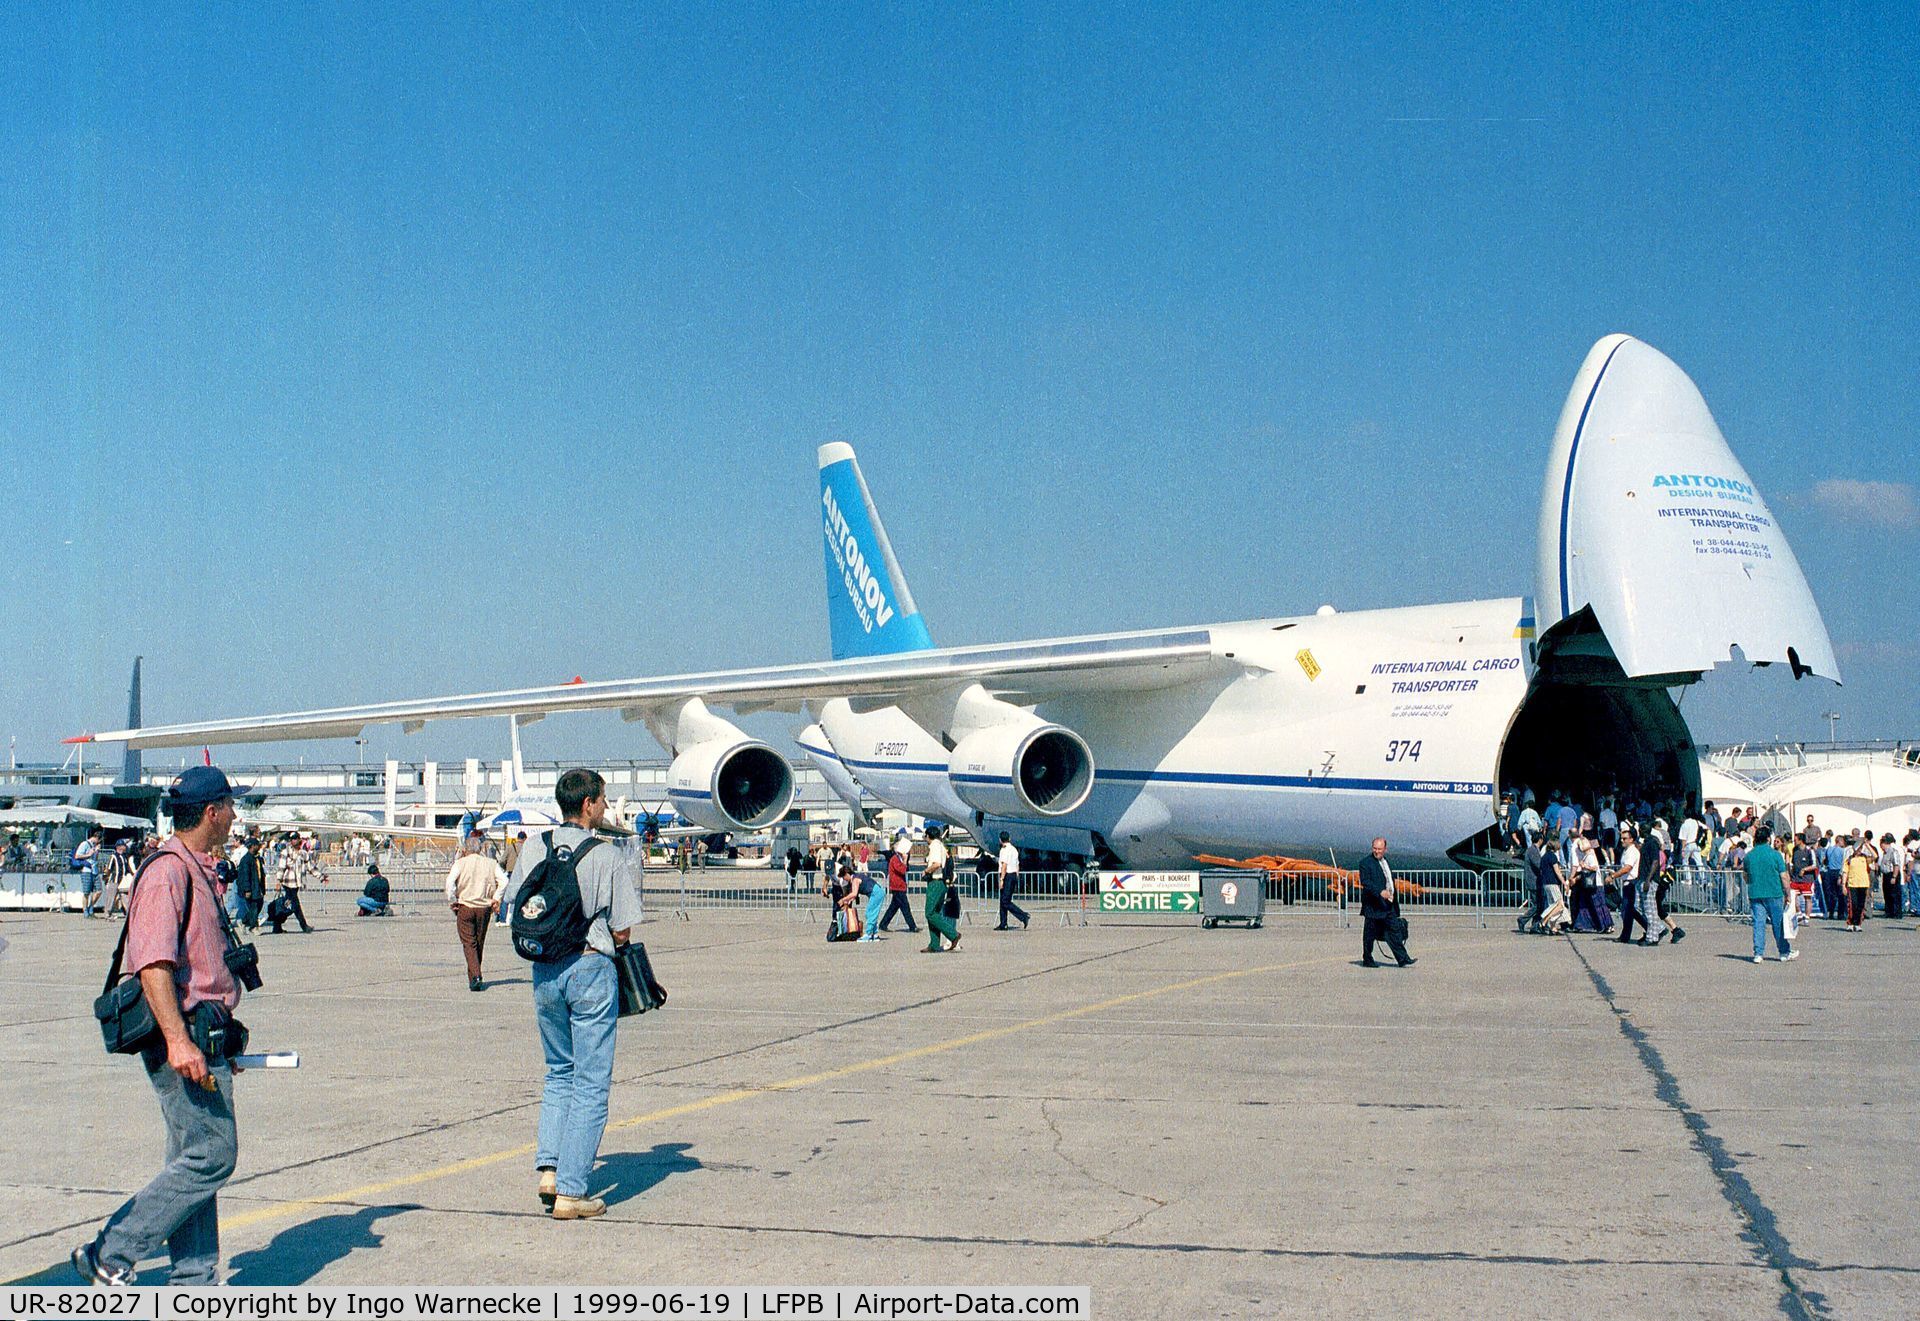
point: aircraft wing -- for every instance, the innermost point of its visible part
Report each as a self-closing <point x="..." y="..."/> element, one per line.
<point x="439" y="834"/>
<point x="1029" y="671"/>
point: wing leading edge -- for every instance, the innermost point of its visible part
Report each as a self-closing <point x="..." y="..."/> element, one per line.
<point x="1022" y="671"/>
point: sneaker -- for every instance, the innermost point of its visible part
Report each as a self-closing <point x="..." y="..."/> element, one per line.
<point x="578" y="1208"/>
<point x="1792" y="954"/>
<point x="1759" y="958"/>
<point x="549" y="1189"/>
<point x="1678" y="935"/>
<point x="92" y="1272"/>
<point x="474" y="983"/>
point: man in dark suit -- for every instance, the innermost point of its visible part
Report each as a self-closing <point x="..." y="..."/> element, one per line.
<point x="1378" y="903"/>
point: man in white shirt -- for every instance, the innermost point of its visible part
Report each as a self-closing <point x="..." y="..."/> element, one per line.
<point x="1636" y="897"/>
<point x="1690" y="844"/>
<point x="1009" y="877"/>
<point x="473" y="893"/>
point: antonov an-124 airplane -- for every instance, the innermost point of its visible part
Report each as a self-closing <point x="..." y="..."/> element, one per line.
<point x="1307" y="735"/>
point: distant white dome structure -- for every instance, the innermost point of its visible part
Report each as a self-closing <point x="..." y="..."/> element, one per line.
<point x="1881" y="796"/>
<point x="1724" y="788"/>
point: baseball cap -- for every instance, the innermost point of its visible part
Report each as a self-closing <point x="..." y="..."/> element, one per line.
<point x="202" y="784"/>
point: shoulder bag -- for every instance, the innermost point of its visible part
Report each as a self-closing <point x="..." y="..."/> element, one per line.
<point x="126" y="1021"/>
<point x="640" y="990"/>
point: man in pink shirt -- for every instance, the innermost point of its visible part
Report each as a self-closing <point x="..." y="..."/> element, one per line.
<point x="176" y="945"/>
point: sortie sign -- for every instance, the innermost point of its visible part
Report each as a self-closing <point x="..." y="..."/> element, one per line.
<point x="1149" y="892"/>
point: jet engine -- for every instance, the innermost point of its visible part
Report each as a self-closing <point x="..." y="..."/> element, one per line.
<point x="1026" y="770"/>
<point x="734" y="783"/>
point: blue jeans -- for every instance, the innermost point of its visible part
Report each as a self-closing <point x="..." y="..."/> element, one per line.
<point x="577" y="1005"/>
<point x="241" y="909"/>
<point x="1765" y="911"/>
<point x="177" y="1208"/>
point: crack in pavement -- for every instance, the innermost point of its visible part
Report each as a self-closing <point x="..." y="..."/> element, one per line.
<point x="1759" y="1227"/>
<point x="1060" y="1153"/>
<point x="1404" y="1256"/>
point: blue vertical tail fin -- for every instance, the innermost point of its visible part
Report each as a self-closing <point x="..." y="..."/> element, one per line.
<point x="869" y="606"/>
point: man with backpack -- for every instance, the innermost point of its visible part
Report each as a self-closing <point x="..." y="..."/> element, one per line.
<point x="573" y="903"/>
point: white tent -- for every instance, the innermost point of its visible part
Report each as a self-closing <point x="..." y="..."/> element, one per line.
<point x="1881" y="796"/>
<point x="65" y="814"/>
<point x="1727" y="789"/>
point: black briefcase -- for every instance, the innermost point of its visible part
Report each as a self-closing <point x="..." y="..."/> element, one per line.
<point x="1397" y="927"/>
<point x="640" y="990"/>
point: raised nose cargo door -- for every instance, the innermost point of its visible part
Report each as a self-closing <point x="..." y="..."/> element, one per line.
<point x="1657" y="558"/>
<point x="1649" y="522"/>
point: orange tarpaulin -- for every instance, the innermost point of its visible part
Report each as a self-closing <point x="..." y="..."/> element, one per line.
<point x="1337" y="878"/>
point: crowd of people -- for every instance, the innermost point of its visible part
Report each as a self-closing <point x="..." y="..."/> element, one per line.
<point x="866" y="889"/>
<point x="1616" y="861"/>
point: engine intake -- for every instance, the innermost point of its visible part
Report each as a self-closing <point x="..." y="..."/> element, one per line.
<point x="730" y="784"/>
<point x="1023" y="770"/>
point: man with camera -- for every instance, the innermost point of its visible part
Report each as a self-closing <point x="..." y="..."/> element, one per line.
<point x="190" y="970"/>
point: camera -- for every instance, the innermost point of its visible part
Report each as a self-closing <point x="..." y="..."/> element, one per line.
<point x="243" y="961"/>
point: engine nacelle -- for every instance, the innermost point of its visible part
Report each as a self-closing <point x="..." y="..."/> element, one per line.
<point x="1022" y="770"/>
<point x="735" y="783"/>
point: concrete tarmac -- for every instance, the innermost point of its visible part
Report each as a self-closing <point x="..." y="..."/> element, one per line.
<point x="1194" y="1123"/>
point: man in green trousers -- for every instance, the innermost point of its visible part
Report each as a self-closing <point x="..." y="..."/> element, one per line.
<point x="939" y="877"/>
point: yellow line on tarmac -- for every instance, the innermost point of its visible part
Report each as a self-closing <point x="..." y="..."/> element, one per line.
<point x="280" y="1210"/>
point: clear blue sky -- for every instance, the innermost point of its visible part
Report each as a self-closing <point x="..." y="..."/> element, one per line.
<point x="368" y="353"/>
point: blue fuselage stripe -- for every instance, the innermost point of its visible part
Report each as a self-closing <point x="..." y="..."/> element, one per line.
<point x="1226" y="779"/>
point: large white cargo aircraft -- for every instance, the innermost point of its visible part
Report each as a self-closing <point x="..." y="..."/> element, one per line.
<point x="1303" y="735"/>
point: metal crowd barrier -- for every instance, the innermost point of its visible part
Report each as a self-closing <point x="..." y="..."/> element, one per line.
<point x="1497" y="897"/>
<point x="1055" y="895"/>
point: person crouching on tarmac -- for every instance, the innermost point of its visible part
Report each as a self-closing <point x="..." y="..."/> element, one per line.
<point x="873" y="893"/>
<point x="939" y="879"/>
<point x="184" y="977"/>
<point x="376" y="896"/>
